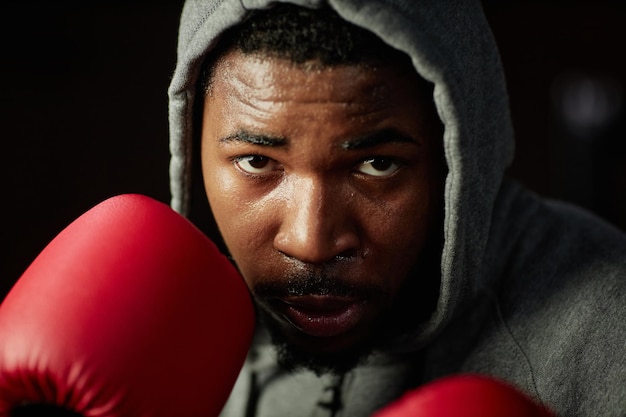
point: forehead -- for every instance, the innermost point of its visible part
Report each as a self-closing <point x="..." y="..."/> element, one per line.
<point x="266" y="78"/>
<point x="277" y="97"/>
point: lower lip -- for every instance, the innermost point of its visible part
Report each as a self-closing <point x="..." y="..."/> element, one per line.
<point x="321" y="316"/>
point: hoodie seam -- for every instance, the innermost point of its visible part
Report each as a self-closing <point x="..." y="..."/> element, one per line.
<point x="518" y="346"/>
<point x="188" y="151"/>
<point x="204" y="18"/>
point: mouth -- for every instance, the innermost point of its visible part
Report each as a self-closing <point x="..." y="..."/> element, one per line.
<point x="322" y="316"/>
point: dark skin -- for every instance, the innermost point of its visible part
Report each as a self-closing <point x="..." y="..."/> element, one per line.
<point x="325" y="184"/>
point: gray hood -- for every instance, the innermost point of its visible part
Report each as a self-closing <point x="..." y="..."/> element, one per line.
<point x="451" y="45"/>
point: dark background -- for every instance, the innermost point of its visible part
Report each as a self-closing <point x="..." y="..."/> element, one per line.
<point x="84" y="108"/>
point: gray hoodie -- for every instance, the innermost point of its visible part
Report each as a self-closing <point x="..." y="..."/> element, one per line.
<point x="532" y="291"/>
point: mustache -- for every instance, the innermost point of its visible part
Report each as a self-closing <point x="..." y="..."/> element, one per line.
<point x="315" y="282"/>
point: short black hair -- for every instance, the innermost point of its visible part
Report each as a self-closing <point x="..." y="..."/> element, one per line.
<point x="303" y="36"/>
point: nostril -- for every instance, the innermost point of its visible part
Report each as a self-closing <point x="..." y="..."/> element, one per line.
<point x="316" y="245"/>
<point x="346" y="255"/>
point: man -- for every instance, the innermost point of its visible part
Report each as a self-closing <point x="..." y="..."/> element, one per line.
<point x="353" y="156"/>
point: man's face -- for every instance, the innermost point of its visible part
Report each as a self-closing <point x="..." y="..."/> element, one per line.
<point x="325" y="184"/>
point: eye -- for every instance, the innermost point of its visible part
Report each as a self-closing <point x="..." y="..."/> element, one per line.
<point x="378" y="167"/>
<point x="255" y="164"/>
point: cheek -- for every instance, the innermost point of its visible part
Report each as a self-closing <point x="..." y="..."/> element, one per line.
<point x="224" y="197"/>
<point x="400" y="226"/>
<point x="219" y="184"/>
<point x="245" y="221"/>
<point x="398" y="229"/>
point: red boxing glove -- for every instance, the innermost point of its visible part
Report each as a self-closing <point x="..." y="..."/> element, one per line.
<point x="465" y="396"/>
<point x="129" y="311"/>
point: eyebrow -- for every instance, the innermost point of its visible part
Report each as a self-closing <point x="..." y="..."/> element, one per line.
<point x="256" y="139"/>
<point x="372" y="140"/>
<point x="380" y="137"/>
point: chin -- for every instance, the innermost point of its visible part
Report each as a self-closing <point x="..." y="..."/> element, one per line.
<point x="349" y="342"/>
<point x="292" y="358"/>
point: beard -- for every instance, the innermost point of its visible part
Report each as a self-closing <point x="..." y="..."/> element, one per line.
<point x="413" y="304"/>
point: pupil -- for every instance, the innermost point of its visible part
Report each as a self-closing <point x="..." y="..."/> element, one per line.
<point x="257" y="161"/>
<point x="381" y="164"/>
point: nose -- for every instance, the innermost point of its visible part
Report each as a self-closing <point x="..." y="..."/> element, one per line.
<point x="316" y="223"/>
